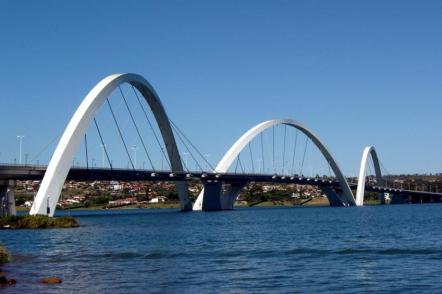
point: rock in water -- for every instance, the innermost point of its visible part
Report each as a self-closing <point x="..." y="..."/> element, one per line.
<point x="51" y="280"/>
<point x="5" y="281"/>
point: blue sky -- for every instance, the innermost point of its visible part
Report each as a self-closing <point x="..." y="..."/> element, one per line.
<point x="356" y="72"/>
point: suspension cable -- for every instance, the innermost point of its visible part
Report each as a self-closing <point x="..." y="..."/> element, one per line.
<point x="303" y="157"/>
<point x="136" y="128"/>
<point x="273" y="149"/>
<point x="236" y="165"/>
<point x="191" y="144"/>
<point x="262" y="153"/>
<point x="102" y="143"/>
<point x="383" y="167"/>
<point x="188" y="149"/>
<point x="251" y="158"/>
<point x="121" y="134"/>
<point x="367" y="173"/>
<point x="369" y="166"/>
<point x="283" y="149"/>
<point x="85" y="145"/>
<point x="152" y="128"/>
<point x="294" y="152"/>
<point x="45" y="147"/>
<point x="240" y="164"/>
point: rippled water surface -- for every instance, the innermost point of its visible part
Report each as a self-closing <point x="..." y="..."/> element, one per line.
<point x="250" y="250"/>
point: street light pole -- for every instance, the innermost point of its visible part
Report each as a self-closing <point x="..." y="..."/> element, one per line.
<point x="20" y="138"/>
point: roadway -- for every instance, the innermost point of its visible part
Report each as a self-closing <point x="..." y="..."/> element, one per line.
<point x="36" y="173"/>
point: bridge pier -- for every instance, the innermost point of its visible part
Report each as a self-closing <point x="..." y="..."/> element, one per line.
<point x="382" y="198"/>
<point x="398" y="199"/>
<point x="214" y="198"/>
<point x="7" y="198"/>
<point x="334" y="197"/>
<point x="229" y="196"/>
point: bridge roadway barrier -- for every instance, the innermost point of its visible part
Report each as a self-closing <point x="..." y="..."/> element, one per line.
<point x="22" y="172"/>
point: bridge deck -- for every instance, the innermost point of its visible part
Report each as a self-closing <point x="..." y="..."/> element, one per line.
<point x="21" y="172"/>
<point x="36" y="172"/>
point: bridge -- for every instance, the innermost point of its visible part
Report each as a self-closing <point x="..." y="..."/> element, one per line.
<point x="222" y="186"/>
<point x="15" y="172"/>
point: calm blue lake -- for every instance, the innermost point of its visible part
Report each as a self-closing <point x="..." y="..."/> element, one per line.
<point x="379" y="249"/>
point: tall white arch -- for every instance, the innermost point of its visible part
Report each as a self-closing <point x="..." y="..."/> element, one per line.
<point x="360" y="192"/>
<point x="67" y="147"/>
<point x="242" y="142"/>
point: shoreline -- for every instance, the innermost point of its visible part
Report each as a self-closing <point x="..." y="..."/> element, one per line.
<point x="176" y="205"/>
<point x="103" y="207"/>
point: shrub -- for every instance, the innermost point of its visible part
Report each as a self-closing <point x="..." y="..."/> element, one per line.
<point x="37" y="222"/>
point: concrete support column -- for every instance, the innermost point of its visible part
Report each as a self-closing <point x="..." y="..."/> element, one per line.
<point x="7" y="198"/>
<point x="382" y="198"/>
<point x="229" y="197"/>
<point x="333" y="197"/>
<point x="215" y="199"/>
<point x="186" y="204"/>
<point x="212" y="196"/>
<point x="3" y="200"/>
<point x="397" y="199"/>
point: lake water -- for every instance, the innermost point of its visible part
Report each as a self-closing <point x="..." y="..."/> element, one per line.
<point x="251" y="250"/>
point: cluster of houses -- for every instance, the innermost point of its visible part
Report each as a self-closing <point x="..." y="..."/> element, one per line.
<point x="120" y="193"/>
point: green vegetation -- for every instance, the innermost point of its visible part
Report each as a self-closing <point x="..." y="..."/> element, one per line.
<point x="98" y="200"/>
<point x="4" y="255"/>
<point x="37" y="222"/>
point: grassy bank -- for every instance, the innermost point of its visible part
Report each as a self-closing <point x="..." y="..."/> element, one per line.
<point x="37" y="222"/>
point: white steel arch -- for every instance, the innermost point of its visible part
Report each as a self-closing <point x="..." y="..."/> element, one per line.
<point x="360" y="192"/>
<point x="242" y="142"/>
<point x="60" y="164"/>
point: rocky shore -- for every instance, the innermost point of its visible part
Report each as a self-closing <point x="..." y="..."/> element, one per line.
<point x="4" y="258"/>
<point x="31" y="222"/>
<point x="4" y="255"/>
<point x="6" y="281"/>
